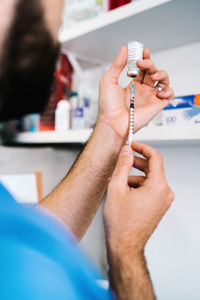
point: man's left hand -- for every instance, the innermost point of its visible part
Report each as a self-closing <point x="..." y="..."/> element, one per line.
<point x="114" y="101"/>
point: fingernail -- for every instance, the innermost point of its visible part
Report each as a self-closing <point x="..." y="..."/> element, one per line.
<point x="141" y="62"/>
<point x="163" y="92"/>
<point x="126" y="150"/>
<point x="156" y="75"/>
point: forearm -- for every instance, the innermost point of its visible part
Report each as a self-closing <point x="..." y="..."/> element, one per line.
<point x="129" y="277"/>
<point x="78" y="196"/>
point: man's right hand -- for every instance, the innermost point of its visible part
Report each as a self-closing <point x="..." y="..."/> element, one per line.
<point x="133" y="208"/>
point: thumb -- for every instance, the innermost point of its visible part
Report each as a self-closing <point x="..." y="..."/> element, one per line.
<point x="124" y="165"/>
<point x="117" y="66"/>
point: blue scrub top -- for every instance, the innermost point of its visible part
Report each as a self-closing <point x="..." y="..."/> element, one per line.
<point x="40" y="259"/>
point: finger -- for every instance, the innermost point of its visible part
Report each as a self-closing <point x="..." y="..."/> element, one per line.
<point x="162" y="77"/>
<point x="148" y="68"/>
<point x="146" y="55"/>
<point x="117" y="66"/>
<point x="155" y="160"/>
<point x="136" y="181"/>
<point x="167" y="93"/>
<point x="124" y="166"/>
<point x="147" y="65"/>
<point x="140" y="164"/>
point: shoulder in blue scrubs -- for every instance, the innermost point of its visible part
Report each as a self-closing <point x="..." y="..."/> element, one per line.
<point x="40" y="260"/>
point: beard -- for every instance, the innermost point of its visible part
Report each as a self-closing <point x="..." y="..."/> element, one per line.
<point x="27" y="63"/>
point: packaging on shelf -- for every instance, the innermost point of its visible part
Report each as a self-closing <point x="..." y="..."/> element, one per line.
<point x="100" y="3"/>
<point x="29" y="123"/>
<point x="87" y="86"/>
<point x="62" y="116"/>
<point x="73" y="103"/>
<point x="86" y="95"/>
<point x="33" y="121"/>
<point x="184" y="111"/>
<point x="62" y="83"/>
<point x="47" y="118"/>
<point x="112" y="4"/>
<point x="78" y="10"/>
<point x="77" y="112"/>
<point x="157" y="120"/>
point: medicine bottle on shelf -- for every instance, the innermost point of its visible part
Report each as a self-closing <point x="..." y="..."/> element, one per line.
<point x="62" y="115"/>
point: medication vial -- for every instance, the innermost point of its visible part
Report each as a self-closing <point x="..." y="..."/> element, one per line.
<point x="135" y="53"/>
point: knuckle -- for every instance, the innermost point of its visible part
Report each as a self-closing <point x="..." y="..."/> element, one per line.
<point x="164" y="188"/>
<point x="172" y="93"/>
<point x="150" y="63"/>
<point x="146" y="63"/>
<point x="153" y="152"/>
<point x="170" y="195"/>
<point x="164" y="73"/>
<point x="160" y="156"/>
<point x="102" y="81"/>
<point x="164" y="192"/>
<point x="157" y="154"/>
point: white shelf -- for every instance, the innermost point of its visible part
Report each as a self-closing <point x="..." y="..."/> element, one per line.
<point x="148" y="134"/>
<point x="159" y="24"/>
<point x="53" y="137"/>
<point x="169" y="134"/>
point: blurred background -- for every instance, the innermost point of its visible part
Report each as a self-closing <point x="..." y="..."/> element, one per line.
<point x="43" y="147"/>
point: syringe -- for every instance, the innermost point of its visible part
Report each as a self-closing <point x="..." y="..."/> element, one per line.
<point x="135" y="53"/>
<point x="131" y="115"/>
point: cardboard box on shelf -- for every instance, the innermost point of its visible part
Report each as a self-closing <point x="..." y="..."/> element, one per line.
<point x="25" y="188"/>
<point x="185" y="111"/>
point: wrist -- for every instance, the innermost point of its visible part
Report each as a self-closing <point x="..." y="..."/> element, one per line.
<point x="121" y="251"/>
<point x="103" y="123"/>
<point x="102" y="150"/>
<point x="108" y="137"/>
<point x="129" y="276"/>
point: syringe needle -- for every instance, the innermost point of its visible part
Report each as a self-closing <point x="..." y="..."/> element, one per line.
<point x="131" y="116"/>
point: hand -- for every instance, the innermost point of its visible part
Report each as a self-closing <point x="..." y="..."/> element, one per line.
<point x="114" y="101"/>
<point x="135" y="204"/>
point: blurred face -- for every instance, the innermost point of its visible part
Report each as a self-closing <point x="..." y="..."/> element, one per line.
<point x="28" y="54"/>
<point x="7" y="8"/>
<point x="53" y="14"/>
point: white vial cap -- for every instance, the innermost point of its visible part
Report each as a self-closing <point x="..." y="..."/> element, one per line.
<point x="63" y="105"/>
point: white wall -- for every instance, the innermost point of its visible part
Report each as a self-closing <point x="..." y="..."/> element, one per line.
<point x="173" y="253"/>
<point x="183" y="66"/>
